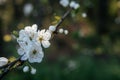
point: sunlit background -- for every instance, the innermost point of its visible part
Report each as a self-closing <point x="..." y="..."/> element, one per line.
<point x="91" y="50"/>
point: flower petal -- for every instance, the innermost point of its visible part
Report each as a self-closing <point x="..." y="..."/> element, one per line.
<point x="47" y="35"/>
<point x="45" y="44"/>
<point x="41" y="32"/>
<point x="24" y="57"/>
<point x="34" y="27"/>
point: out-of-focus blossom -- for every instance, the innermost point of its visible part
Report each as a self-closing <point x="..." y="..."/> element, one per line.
<point x="26" y="69"/>
<point x="33" y="71"/>
<point x="27" y="9"/>
<point x="64" y="3"/>
<point x="66" y="32"/>
<point x="52" y="28"/>
<point x="74" y="5"/>
<point x="61" y="30"/>
<point x="84" y="15"/>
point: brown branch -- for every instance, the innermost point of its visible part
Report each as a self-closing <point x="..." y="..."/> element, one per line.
<point x="8" y="67"/>
<point x="62" y="19"/>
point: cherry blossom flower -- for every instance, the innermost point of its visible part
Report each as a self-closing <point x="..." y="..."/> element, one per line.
<point x="44" y="37"/>
<point x="35" y="54"/>
<point x="64" y="3"/>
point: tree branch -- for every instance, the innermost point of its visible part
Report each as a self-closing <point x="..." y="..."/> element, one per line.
<point x="8" y="67"/>
<point x="62" y="19"/>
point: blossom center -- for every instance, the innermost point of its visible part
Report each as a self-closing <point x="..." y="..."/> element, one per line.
<point x="40" y="38"/>
<point x="34" y="52"/>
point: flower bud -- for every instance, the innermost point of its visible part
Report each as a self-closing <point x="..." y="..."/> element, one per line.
<point x="74" y="5"/>
<point x="61" y="30"/>
<point x="65" y="32"/>
<point x="26" y="69"/>
<point x="33" y="71"/>
<point x="52" y="28"/>
<point x="3" y="61"/>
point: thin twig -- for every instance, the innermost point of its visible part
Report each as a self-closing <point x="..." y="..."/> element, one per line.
<point x="62" y="19"/>
<point x="8" y="67"/>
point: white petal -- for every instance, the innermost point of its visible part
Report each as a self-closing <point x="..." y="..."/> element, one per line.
<point x="3" y="61"/>
<point x="21" y="32"/>
<point x="25" y="57"/>
<point x="45" y="44"/>
<point x="27" y="28"/>
<point x="42" y="32"/>
<point x="47" y="35"/>
<point x="36" y="57"/>
<point x="34" y="27"/>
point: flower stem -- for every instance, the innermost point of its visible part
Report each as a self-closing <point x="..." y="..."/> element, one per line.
<point x="9" y="66"/>
<point x="62" y="19"/>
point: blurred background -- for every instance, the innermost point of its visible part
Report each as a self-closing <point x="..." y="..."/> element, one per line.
<point x="91" y="50"/>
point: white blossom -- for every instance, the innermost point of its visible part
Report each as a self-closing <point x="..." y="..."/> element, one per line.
<point x="29" y="49"/>
<point x="3" y="61"/>
<point x="33" y="71"/>
<point x="84" y="15"/>
<point x="65" y="32"/>
<point x="64" y="3"/>
<point x="74" y="5"/>
<point x="26" y="69"/>
<point x="44" y="37"/>
<point x="27" y="9"/>
<point x="60" y="30"/>
<point x="35" y="54"/>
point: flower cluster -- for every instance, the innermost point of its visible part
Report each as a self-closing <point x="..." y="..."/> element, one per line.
<point x="31" y="42"/>
<point x="71" y="4"/>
